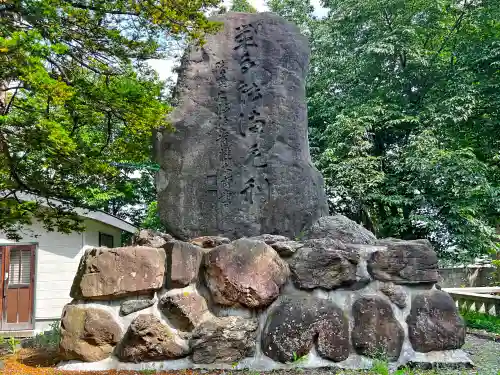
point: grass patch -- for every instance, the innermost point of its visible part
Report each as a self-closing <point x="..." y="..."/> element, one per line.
<point x="478" y="320"/>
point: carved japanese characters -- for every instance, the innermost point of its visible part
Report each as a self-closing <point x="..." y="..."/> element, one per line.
<point x="238" y="163"/>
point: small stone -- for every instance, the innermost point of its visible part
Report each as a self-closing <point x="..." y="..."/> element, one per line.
<point x="376" y="331"/>
<point x="434" y="322"/>
<point x="286" y="248"/>
<point x="396" y="294"/>
<point x="148" y="339"/>
<point x="87" y="334"/>
<point x="270" y="238"/>
<point x="130" y="306"/>
<point x="322" y="267"/>
<point x="245" y="272"/>
<point x="185" y="309"/>
<point x="209" y="242"/>
<point x="151" y="238"/>
<point x="340" y="228"/>
<point x="224" y="340"/>
<point x="295" y="323"/>
<point x="115" y="273"/>
<point x="183" y="263"/>
<point x="405" y="262"/>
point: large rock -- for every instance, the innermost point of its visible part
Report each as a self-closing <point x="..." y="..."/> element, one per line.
<point x="224" y="340"/>
<point x="151" y="238"/>
<point x="148" y="339"/>
<point x="87" y="334"/>
<point x="238" y="163"/>
<point x="376" y="331"/>
<point x="113" y="273"/>
<point x="245" y="272"/>
<point x="294" y="324"/>
<point x="183" y="263"/>
<point x="323" y="267"/>
<point x="434" y="323"/>
<point x="404" y="262"/>
<point x="185" y="309"/>
<point x="340" y="228"/>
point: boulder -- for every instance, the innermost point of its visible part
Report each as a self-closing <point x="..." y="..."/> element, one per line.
<point x="209" y="242"/>
<point x="137" y="304"/>
<point x="224" y="340"/>
<point x="376" y="331"/>
<point x="340" y="228"/>
<point x="148" y="339"/>
<point x="151" y="238"/>
<point x="114" y="273"/>
<point x="245" y="272"/>
<point x="183" y="263"/>
<point x="434" y="322"/>
<point x="396" y="294"/>
<point x="405" y="262"/>
<point x="319" y="266"/>
<point x="240" y="153"/>
<point x="87" y="334"/>
<point x="294" y="324"/>
<point x="185" y="309"/>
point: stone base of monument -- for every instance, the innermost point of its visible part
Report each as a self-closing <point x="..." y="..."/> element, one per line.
<point x="261" y="303"/>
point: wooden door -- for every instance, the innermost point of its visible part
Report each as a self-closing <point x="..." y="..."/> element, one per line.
<point x="18" y="287"/>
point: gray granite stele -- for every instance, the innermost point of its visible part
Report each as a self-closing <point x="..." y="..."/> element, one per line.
<point x="238" y="163"/>
<point x="247" y="306"/>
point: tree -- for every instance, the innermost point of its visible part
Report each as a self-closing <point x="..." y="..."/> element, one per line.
<point x="242" y="6"/>
<point x="78" y="100"/>
<point x="403" y="108"/>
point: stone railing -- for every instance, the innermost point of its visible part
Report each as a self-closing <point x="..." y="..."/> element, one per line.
<point x="264" y="302"/>
<point x="482" y="299"/>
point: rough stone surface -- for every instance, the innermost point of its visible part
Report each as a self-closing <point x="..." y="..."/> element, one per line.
<point x="113" y="273"/>
<point x="376" y="331"/>
<point x="320" y="266"/>
<point x="270" y="238"/>
<point x="151" y="238"/>
<point x="239" y="163"/>
<point x="133" y="305"/>
<point x="340" y="228"/>
<point x="184" y="309"/>
<point x="209" y="242"/>
<point x="224" y="340"/>
<point x="87" y="334"/>
<point x="286" y="248"/>
<point x="294" y="324"/>
<point x="405" y="262"/>
<point x="396" y="294"/>
<point x="434" y="322"/>
<point x="245" y="272"/>
<point x="148" y="339"/>
<point x="183" y="263"/>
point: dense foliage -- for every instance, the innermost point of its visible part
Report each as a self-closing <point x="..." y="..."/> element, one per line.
<point x="242" y="6"/>
<point x="404" y="111"/>
<point x="78" y="102"/>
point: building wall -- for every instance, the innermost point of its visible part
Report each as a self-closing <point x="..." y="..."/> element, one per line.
<point x="57" y="259"/>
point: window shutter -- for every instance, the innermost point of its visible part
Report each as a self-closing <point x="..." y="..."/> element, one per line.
<point x="20" y="267"/>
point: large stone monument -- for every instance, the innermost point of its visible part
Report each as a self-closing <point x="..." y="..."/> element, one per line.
<point x="238" y="163"/>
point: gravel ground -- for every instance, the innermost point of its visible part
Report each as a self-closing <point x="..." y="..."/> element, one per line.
<point x="485" y="354"/>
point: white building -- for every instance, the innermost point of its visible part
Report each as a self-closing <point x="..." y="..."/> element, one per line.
<point x="37" y="272"/>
